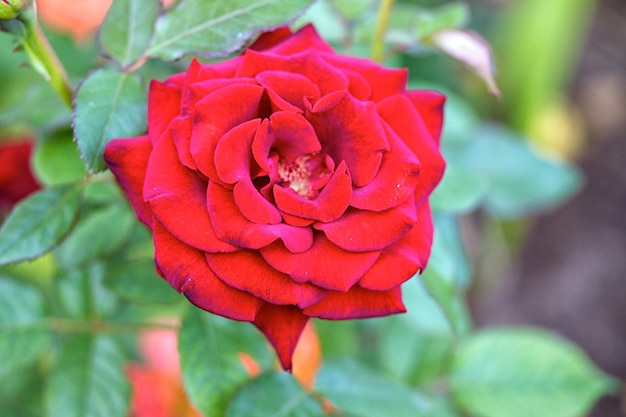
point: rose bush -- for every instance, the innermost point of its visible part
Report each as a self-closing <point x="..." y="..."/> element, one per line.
<point x="286" y="183"/>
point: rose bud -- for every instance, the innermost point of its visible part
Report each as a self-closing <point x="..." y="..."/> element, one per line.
<point x="286" y="183"/>
<point x="9" y="9"/>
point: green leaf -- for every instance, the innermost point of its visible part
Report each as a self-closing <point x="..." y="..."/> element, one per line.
<point x="448" y="16"/>
<point x="209" y="353"/>
<point x="109" y="104"/>
<point x="81" y="292"/>
<point x="94" y="237"/>
<point x="426" y="338"/>
<point x="211" y="29"/>
<point x="459" y="191"/>
<point x="273" y="395"/>
<point x="361" y="392"/>
<point x="138" y="281"/>
<point x="39" y="222"/>
<point x="57" y="160"/>
<point x="88" y="379"/>
<point x="121" y="36"/>
<point x="448" y="273"/>
<point x="23" y="335"/>
<point x="511" y="372"/>
<point x="518" y="179"/>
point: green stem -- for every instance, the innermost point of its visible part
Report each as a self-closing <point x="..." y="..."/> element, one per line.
<point x="40" y="53"/>
<point x="382" y="21"/>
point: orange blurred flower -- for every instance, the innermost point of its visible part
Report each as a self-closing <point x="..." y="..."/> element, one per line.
<point x="78" y="18"/>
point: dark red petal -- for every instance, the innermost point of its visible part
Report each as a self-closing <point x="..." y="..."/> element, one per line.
<point x="429" y="104"/>
<point x="247" y="271"/>
<point x="329" y="205"/>
<point x="324" y="264"/>
<point x="359" y="87"/>
<point x="180" y="129"/>
<point x="231" y="226"/>
<point x="403" y="118"/>
<point x="310" y="64"/>
<point x="403" y="259"/>
<point x="361" y="230"/>
<point x="385" y="82"/>
<point x="282" y="325"/>
<point x="199" y="90"/>
<point x="305" y="38"/>
<point x="358" y="303"/>
<point x="289" y="135"/>
<point x="177" y="198"/>
<point x="270" y="39"/>
<point x="215" y="115"/>
<point x="128" y="160"/>
<point x="16" y="178"/>
<point x="395" y="181"/>
<point x="163" y="106"/>
<point x="351" y="131"/>
<point x="288" y="86"/>
<point x="186" y="270"/>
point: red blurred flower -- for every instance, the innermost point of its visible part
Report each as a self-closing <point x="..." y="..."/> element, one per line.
<point x="287" y="183"/>
<point x="16" y="178"/>
<point x="157" y="383"/>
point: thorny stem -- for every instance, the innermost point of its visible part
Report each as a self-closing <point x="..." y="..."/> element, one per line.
<point x="378" y="41"/>
<point x="40" y="53"/>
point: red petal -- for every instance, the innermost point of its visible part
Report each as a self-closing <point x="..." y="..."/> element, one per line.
<point x="167" y="185"/>
<point x="247" y="271"/>
<point x="358" y="303"/>
<point x="351" y="131"/>
<point x="180" y="129"/>
<point x="310" y="64"/>
<point x="324" y="264"/>
<point x="282" y="325"/>
<point x="231" y="226"/>
<point x="385" y="82"/>
<point x="128" y="160"/>
<point x="305" y="38"/>
<point x="270" y="39"/>
<point x="288" y="134"/>
<point x="186" y="270"/>
<point x="404" y="119"/>
<point x="429" y="104"/>
<point x="395" y="181"/>
<point x="403" y="259"/>
<point x="233" y="160"/>
<point x="163" y="106"/>
<point x="285" y="86"/>
<point x="361" y="230"/>
<point x="199" y="90"/>
<point x="215" y="115"/>
<point x="359" y="87"/>
<point x="329" y="205"/>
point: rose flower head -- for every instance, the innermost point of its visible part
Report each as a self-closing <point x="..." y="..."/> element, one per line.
<point x="287" y="183"/>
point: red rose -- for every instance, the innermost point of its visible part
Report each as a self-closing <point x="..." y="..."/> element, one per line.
<point x="16" y="178"/>
<point x="286" y="183"/>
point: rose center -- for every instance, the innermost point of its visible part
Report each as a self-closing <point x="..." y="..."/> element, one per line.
<point x="306" y="175"/>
